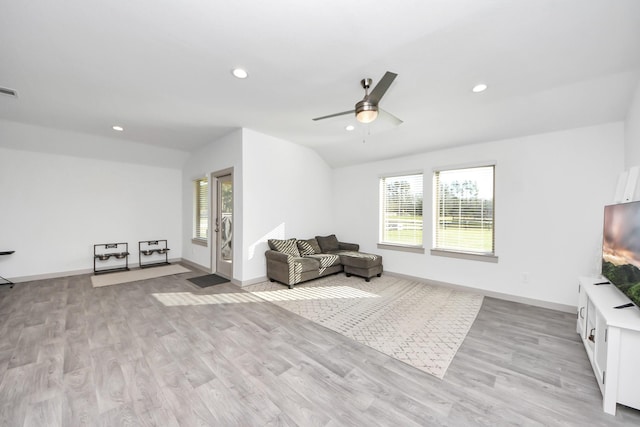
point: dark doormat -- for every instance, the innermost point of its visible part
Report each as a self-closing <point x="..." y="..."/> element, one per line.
<point x="208" y="280"/>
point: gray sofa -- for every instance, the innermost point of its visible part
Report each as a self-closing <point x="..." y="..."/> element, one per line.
<point x="294" y="261"/>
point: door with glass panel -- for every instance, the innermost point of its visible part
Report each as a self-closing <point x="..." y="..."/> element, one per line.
<point x="224" y="226"/>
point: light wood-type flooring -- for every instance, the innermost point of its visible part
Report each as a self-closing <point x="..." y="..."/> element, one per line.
<point x="72" y="355"/>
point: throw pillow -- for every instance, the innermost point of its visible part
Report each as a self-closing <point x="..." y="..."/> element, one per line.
<point x="328" y="243"/>
<point x="288" y="247"/>
<point x="307" y="248"/>
<point x="314" y="244"/>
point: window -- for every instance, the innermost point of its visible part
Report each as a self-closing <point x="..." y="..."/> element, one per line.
<point x="201" y="209"/>
<point x="401" y="215"/>
<point x="463" y="217"/>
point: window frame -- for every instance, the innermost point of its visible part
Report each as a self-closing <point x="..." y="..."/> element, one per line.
<point x="458" y="252"/>
<point x="200" y="195"/>
<point x="400" y="246"/>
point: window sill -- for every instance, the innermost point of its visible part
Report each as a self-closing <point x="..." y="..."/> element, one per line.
<point x="200" y="242"/>
<point x="465" y="255"/>
<point x="402" y="248"/>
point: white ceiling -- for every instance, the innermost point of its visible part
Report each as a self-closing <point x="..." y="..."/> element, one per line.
<point x="161" y="69"/>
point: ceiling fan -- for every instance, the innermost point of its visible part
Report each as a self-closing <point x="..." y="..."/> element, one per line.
<point x="367" y="110"/>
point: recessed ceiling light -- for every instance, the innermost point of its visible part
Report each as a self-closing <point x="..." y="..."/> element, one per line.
<point x="240" y="73"/>
<point x="350" y="128"/>
<point x="117" y="128"/>
<point x="479" y="88"/>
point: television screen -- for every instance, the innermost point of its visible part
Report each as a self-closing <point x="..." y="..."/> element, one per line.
<point x="621" y="248"/>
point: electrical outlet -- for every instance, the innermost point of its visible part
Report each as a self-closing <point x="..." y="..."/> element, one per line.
<point x="525" y="278"/>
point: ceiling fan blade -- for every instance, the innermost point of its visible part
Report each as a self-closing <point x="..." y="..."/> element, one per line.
<point x="390" y="117"/>
<point x="335" y="115"/>
<point x="378" y="92"/>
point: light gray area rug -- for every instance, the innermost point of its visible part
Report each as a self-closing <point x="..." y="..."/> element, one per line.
<point x="420" y="324"/>
<point x="109" y="279"/>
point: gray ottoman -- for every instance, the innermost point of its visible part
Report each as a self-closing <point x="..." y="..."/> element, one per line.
<point x="361" y="264"/>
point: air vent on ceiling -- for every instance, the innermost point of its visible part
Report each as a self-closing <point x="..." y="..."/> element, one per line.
<point x="10" y="92"/>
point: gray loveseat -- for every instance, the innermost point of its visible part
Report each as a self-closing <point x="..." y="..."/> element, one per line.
<point x="293" y="261"/>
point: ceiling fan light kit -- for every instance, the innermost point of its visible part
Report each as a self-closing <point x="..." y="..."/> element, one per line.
<point x="366" y="112"/>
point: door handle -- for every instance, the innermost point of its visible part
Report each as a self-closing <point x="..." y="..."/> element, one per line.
<point x="217" y="226"/>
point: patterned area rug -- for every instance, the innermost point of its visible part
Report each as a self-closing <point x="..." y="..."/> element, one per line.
<point x="420" y="324"/>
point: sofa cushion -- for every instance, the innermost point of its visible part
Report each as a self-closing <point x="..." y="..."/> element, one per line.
<point x="328" y="243"/>
<point x="305" y="264"/>
<point x="359" y="259"/>
<point x="308" y="247"/>
<point x="326" y="260"/>
<point x="288" y="247"/>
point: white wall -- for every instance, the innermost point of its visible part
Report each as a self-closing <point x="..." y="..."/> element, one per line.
<point x="280" y="190"/>
<point x="549" y="195"/>
<point x="287" y="193"/>
<point x="632" y="132"/>
<point x="54" y="208"/>
<point x="221" y="154"/>
<point x="39" y="139"/>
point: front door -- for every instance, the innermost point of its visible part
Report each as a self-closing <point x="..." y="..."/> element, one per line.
<point x="224" y="226"/>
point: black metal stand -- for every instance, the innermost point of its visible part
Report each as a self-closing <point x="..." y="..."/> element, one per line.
<point x="153" y="248"/>
<point x="4" y="281"/>
<point x="104" y="251"/>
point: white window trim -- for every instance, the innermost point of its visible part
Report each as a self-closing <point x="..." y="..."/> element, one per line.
<point x="474" y="256"/>
<point x="465" y="255"/>
<point x="402" y="248"/>
<point x="201" y="241"/>
<point x="391" y="245"/>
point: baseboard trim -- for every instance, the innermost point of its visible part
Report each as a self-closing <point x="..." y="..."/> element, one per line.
<point x="499" y="295"/>
<point x="197" y="266"/>
<point x="243" y="283"/>
<point x="45" y="276"/>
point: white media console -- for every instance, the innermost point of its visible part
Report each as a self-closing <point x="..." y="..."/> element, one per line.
<point x="611" y="337"/>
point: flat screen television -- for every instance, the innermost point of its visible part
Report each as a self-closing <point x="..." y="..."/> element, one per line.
<point x="621" y="248"/>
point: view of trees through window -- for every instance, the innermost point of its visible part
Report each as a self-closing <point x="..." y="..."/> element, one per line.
<point x="402" y="209"/>
<point x="464" y="210"/>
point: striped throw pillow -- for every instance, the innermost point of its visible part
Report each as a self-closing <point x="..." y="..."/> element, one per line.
<point x="305" y="248"/>
<point x="288" y="247"/>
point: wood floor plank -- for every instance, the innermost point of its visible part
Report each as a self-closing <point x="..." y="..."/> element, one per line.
<point x="76" y="350"/>
<point x="142" y="387"/>
<point x="123" y="415"/>
<point x="10" y="329"/>
<point x="15" y="390"/>
<point x="228" y="407"/>
<point x="111" y="386"/>
<point x="46" y="413"/>
<point x="13" y="414"/>
<point x="80" y="404"/>
<point x="185" y="404"/>
<point x="27" y="347"/>
<point x="158" y="417"/>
